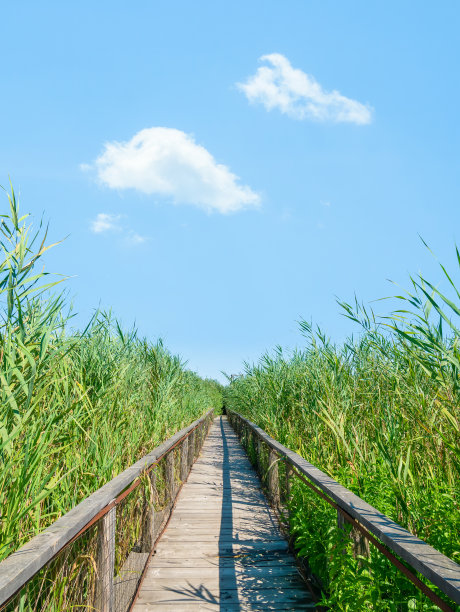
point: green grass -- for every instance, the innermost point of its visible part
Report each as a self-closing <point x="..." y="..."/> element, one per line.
<point x="380" y="414"/>
<point x="75" y="408"/>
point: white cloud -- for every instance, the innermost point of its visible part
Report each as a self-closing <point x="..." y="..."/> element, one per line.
<point x="299" y="95"/>
<point x="134" y="239"/>
<point x="108" y="223"/>
<point x="105" y="223"/>
<point x="168" y="162"/>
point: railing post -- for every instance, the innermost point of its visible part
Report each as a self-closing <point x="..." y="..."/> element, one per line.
<point x="105" y="562"/>
<point x="184" y="461"/>
<point x="169" y="475"/>
<point x="205" y="432"/>
<point x="250" y="438"/>
<point x="259" y="462"/>
<point x="148" y="530"/>
<point x="287" y="477"/>
<point x="273" y="478"/>
<point x="191" y="448"/>
<point x="360" y="544"/>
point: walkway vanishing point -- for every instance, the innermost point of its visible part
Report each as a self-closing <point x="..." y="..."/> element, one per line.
<point x="222" y="549"/>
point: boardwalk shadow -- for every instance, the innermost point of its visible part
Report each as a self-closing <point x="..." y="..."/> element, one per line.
<point x="227" y="580"/>
<point x="257" y="572"/>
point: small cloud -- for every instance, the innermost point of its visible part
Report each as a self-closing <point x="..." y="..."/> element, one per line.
<point x="325" y="203"/>
<point x="105" y="223"/>
<point x="320" y="225"/>
<point x="108" y="223"/>
<point x="299" y="95"/>
<point x="169" y="163"/>
<point x="134" y="239"/>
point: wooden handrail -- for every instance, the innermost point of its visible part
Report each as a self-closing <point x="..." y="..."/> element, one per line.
<point x="22" y="565"/>
<point x="439" y="569"/>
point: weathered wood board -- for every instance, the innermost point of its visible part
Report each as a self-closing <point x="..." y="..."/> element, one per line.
<point x="223" y="549"/>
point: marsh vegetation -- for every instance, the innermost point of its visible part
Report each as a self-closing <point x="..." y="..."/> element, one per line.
<point x="380" y="414"/>
<point x="76" y="407"/>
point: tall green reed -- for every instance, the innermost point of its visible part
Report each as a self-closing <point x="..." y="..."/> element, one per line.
<point x="76" y="408"/>
<point x="380" y="413"/>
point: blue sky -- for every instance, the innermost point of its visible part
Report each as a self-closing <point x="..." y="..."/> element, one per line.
<point x="247" y="199"/>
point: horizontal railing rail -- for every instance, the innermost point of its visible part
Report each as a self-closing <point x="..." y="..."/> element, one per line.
<point x="17" y="570"/>
<point x="366" y="520"/>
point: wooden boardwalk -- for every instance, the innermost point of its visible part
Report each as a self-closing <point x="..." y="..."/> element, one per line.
<point x="222" y="549"/>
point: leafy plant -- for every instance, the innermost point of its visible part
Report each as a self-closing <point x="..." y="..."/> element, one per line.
<point x="380" y="414"/>
<point x="76" y="408"/>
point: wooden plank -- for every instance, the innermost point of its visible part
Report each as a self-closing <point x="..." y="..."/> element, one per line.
<point x="244" y="597"/>
<point x="204" y="495"/>
<point x="227" y="607"/>
<point x="232" y="506"/>
<point x="439" y="569"/>
<point x="185" y="607"/>
<point x="169" y="475"/>
<point x="240" y="549"/>
<point x="360" y="544"/>
<point x="260" y="518"/>
<point x="227" y="536"/>
<point x="212" y="489"/>
<point x="191" y="448"/>
<point x="23" y="564"/>
<point x="185" y="573"/>
<point x="237" y="527"/>
<point x="223" y="547"/>
<point x="273" y="478"/>
<point x="148" y="519"/>
<point x="216" y="583"/>
<point x="105" y="561"/>
<point x="226" y="513"/>
<point x="276" y="559"/>
<point x="184" y="461"/>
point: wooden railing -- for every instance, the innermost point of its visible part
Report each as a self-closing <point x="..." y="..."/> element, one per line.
<point x="94" y="556"/>
<point x="368" y="524"/>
